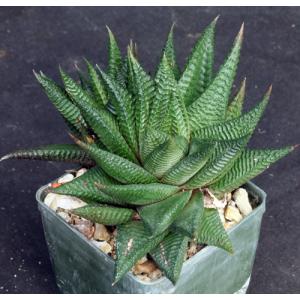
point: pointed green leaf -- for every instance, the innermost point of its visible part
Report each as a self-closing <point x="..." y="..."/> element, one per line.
<point x="198" y="71"/>
<point x="235" y="107"/>
<point x="188" y="221"/>
<point x="169" y="255"/>
<point x="97" y="85"/>
<point x="178" y="114"/>
<point x="103" y="214"/>
<point x="133" y="242"/>
<point x="115" y="58"/>
<point x="106" y="128"/>
<point x="165" y="156"/>
<point x="235" y="128"/>
<point x="211" y="231"/>
<point x="226" y="152"/>
<point x="210" y="108"/>
<point x="144" y="96"/>
<point x="189" y="166"/>
<point x="125" y="111"/>
<point x="152" y="139"/>
<point x="83" y="187"/>
<point x="118" y="167"/>
<point x="139" y="194"/>
<point x="248" y="165"/>
<point x="76" y="92"/>
<point x="160" y="114"/>
<point x="62" y="152"/>
<point x="159" y="216"/>
<point x="84" y="83"/>
<point x="169" y="52"/>
<point x="61" y="101"/>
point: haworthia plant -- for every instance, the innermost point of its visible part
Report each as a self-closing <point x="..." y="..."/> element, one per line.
<point x="153" y="145"/>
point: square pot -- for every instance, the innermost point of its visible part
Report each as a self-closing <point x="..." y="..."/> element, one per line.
<point x="80" y="267"/>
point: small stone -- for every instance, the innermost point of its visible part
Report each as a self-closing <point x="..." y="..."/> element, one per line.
<point x="65" y="216"/>
<point x="65" y="178"/>
<point x="66" y="202"/>
<point x="221" y="212"/>
<point x="192" y="250"/>
<point x="228" y="225"/>
<point x="49" y="198"/>
<point x="105" y="247"/>
<point x="81" y="172"/>
<point x="145" y="268"/>
<point x="101" y="233"/>
<point x="242" y="201"/>
<point x="155" y="274"/>
<point x="85" y="227"/>
<point x="142" y="260"/>
<point x="233" y="214"/>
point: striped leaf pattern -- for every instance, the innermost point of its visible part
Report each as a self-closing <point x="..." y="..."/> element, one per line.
<point x="133" y="242"/>
<point x="159" y="216"/>
<point x="210" y="108"/>
<point x="103" y="214"/>
<point x="139" y="194"/>
<point x="85" y="187"/>
<point x="248" y="165"/>
<point x="198" y="72"/>
<point x="59" y="152"/>
<point x="115" y="58"/>
<point x="169" y="255"/>
<point x="235" y="128"/>
<point x="211" y="231"/>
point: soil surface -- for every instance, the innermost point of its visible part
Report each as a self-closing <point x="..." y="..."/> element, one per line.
<point x="43" y="38"/>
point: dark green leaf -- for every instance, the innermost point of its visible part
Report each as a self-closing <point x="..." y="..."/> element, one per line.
<point x="115" y="58"/>
<point x="139" y="194"/>
<point x="159" y="216"/>
<point x="165" y="156"/>
<point x="248" y="165"/>
<point x="63" y="152"/>
<point x="210" y="108"/>
<point x="189" y="219"/>
<point x="198" y="71"/>
<point x="133" y="242"/>
<point x="103" y="214"/>
<point x="212" y="232"/>
<point x="169" y="255"/>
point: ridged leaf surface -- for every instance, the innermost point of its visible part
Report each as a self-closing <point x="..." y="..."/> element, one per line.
<point x="114" y="56"/>
<point x="188" y="221"/>
<point x="248" y="165"/>
<point x="125" y="111"/>
<point x="103" y="214"/>
<point x="84" y="187"/>
<point x="159" y="216"/>
<point x="198" y="72"/>
<point x="60" y="152"/>
<point x="169" y="255"/>
<point x="133" y="242"/>
<point x="222" y="159"/>
<point x="139" y="194"/>
<point x="235" y="107"/>
<point x="211" y="231"/>
<point x="165" y="156"/>
<point x="189" y="166"/>
<point x="235" y="128"/>
<point x="118" y="167"/>
<point x="210" y="108"/>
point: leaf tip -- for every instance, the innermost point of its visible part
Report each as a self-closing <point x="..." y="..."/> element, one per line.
<point x="5" y="157"/>
<point x="240" y="35"/>
<point x="215" y="20"/>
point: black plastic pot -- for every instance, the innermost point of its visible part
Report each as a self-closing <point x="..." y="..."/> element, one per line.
<point x="80" y="267"/>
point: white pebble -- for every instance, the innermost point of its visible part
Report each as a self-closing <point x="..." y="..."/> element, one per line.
<point x="65" y="178"/>
<point x="103" y="246"/>
<point x="233" y="214"/>
<point x="101" y="233"/>
<point x="81" y="172"/>
<point x="49" y="198"/>
<point x="242" y="201"/>
<point x="65" y="202"/>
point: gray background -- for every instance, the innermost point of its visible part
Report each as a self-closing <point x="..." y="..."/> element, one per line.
<point x="43" y="38"/>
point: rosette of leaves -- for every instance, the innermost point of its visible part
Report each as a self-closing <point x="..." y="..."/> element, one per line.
<point x="153" y="145"/>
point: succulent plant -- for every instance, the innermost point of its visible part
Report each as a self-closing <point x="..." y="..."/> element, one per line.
<point x="154" y="146"/>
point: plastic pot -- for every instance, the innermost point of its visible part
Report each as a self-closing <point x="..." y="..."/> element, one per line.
<point x="80" y="267"/>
